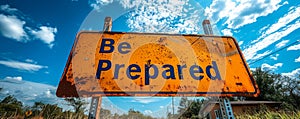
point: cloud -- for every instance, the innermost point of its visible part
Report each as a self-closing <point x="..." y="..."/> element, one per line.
<point x="242" y="12"/>
<point x="17" y="78"/>
<point x="267" y="67"/>
<point x="7" y="8"/>
<point x="148" y="112"/>
<point x="29" y="92"/>
<point x="30" y="61"/>
<point x="22" y="65"/>
<point x="293" y="14"/>
<point x="274" y="57"/>
<point x="282" y="43"/>
<point x="12" y="27"/>
<point x="46" y="34"/>
<point x="176" y="16"/>
<point x="297" y="59"/>
<point x="252" y="69"/>
<point x="294" y="47"/>
<point x="258" y="56"/>
<point x="163" y="16"/>
<point x="268" y="39"/>
<point x="227" y="32"/>
<point x="15" y="28"/>
<point x="96" y="4"/>
<point x="241" y="43"/>
<point x="294" y="74"/>
<point x="147" y="100"/>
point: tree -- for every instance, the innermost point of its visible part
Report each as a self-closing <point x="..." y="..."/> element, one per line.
<point x="51" y="111"/>
<point x="183" y="105"/>
<point x="132" y="114"/>
<point x="290" y="88"/>
<point x="11" y="100"/>
<point x="275" y="87"/>
<point x="37" y="108"/>
<point x="10" y="106"/>
<point x="188" y="108"/>
<point x="268" y="84"/>
<point x="78" y="104"/>
<point x="105" y="114"/>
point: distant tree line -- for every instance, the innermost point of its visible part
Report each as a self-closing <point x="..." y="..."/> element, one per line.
<point x="132" y="114"/>
<point x="10" y="107"/>
<point x="273" y="87"/>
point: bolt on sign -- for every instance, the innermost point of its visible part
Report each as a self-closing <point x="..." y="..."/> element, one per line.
<point x="146" y="64"/>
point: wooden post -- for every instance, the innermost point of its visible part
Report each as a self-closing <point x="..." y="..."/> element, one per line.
<point x="96" y="102"/>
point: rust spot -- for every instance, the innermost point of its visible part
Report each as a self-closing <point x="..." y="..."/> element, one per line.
<point x="239" y="84"/>
<point x="162" y="39"/>
<point x="151" y="54"/>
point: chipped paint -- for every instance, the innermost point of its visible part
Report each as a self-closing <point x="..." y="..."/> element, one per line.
<point x="162" y="51"/>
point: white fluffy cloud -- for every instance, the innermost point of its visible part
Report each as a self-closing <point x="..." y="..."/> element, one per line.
<point x="15" y="28"/>
<point x="176" y="16"/>
<point x="269" y="36"/>
<point x="96" y="4"/>
<point x="241" y="43"/>
<point x="46" y="34"/>
<point x="282" y="43"/>
<point x="258" y="56"/>
<point x="238" y="13"/>
<point x="147" y="100"/>
<point x="294" y="47"/>
<point x="161" y="16"/>
<point x="30" y="61"/>
<point x="274" y="57"/>
<point x="294" y="74"/>
<point x="22" y="65"/>
<point x="297" y="59"/>
<point x="12" y="27"/>
<point x="293" y="14"/>
<point x="267" y="67"/>
<point x="17" y="78"/>
<point x="227" y="32"/>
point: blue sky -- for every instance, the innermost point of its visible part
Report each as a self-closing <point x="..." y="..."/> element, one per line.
<point x="37" y="36"/>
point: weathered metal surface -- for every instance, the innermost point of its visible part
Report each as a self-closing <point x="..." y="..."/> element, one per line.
<point x="139" y="64"/>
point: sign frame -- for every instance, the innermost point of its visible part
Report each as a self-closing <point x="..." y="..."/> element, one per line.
<point x="67" y="87"/>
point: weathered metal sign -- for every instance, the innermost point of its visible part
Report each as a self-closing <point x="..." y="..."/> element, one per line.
<point x="144" y="64"/>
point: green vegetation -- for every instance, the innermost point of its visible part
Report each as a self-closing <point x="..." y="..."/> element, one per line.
<point x="273" y="87"/>
<point x="132" y="114"/>
<point x="10" y="107"/>
<point x="188" y="108"/>
<point x="270" y="115"/>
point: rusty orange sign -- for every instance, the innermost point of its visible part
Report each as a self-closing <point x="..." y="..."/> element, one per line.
<point x="145" y="64"/>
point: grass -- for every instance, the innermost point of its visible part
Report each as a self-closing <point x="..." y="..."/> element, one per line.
<point x="270" y="115"/>
<point x="39" y="116"/>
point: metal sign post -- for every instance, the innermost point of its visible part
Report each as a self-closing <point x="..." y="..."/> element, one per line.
<point x="224" y="103"/>
<point x="96" y="101"/>
<point x="226" y="109"/>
